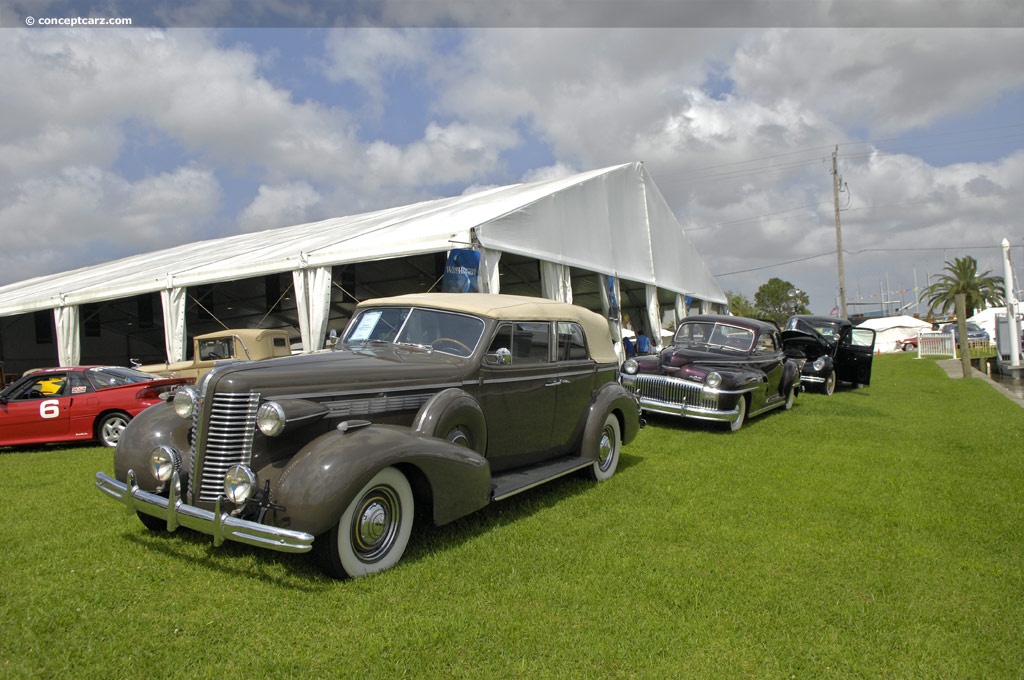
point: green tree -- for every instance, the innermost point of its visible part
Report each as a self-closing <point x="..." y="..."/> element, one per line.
<point x="774" y="301"/>
<point x="739" y="305"/>
<point x="962" y="277"/>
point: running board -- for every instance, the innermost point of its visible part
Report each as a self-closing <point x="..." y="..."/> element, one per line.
<point x="510" y="483"/>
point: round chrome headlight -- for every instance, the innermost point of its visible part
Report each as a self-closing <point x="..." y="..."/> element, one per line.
<point x="163" y="461"/>
<point x="186" y="400"/>
<point x="270" y="418"/>
<point x="818" y="364"/>
<point x="713" y="379"/>
<point x="630" y="367"/>
<point x="239" y="484"/>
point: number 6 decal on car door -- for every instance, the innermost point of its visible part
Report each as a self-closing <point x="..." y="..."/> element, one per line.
<point x="49" y="408"/>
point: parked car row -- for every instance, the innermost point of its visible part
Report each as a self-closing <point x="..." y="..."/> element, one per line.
<point x="428" y="408"/>
<point x="727" y="368"/>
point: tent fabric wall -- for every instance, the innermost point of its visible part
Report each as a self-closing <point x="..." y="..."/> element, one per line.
<point x="173" y="300"/>
<point x="613" y="221"/>
<point x="312" y="300"/>
<point x="653" y="315"/>
<point x="69" y="344"/>
<point x="555" y="281"/>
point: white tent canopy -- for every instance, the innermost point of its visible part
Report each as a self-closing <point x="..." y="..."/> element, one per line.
<point x="612" y="221"/>
<point x="891" y="331"/>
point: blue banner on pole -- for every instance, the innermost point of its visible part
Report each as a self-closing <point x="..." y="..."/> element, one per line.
<point x="462" y="272"/>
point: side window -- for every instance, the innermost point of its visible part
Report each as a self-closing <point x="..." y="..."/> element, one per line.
<point x="215" y="348"/>
<point x="48" y="385"/>
<point x="766" y="344"/>
<point x="528" y="342"/>
<point x="572" y="344"/>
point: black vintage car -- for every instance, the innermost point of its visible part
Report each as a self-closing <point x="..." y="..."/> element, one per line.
<point x="722" y="368"/>
<point x="829" y="350"/>
<point x="440" y="403"/>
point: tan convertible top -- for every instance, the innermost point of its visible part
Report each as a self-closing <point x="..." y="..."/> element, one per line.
<point x="514" y="308"/>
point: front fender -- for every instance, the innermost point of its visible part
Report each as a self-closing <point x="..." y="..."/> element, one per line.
<point x="323" y="478"/>
<point x="156" y="426"/>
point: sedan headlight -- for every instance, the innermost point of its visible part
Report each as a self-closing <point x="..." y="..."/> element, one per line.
<point x="713" y="379"/>
<point x="186" y="401"/>
<point x="239" y="484"/>
<point x="630" y="367"/>
<point x="818" y="364"/>
<point x="163" y="461"/>
<point x="270" y="418"/>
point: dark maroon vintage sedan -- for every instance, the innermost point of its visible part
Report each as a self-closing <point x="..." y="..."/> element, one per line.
<point x="720" y="368"/>
<point x="78" y="403"/>
<point x="440" y="403"/>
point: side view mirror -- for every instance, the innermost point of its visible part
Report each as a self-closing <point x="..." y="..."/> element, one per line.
<point x="502" y="357"/>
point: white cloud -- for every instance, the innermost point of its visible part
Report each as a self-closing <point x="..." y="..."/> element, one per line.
<point x="85" y="215"/>
<point x="279" y="206"/>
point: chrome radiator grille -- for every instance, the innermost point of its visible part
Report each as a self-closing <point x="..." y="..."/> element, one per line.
<point x="666" y="390"/>
<point x="225" y="441"/>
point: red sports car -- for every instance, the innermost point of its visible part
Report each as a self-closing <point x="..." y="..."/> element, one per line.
<point x="78" y="403"/>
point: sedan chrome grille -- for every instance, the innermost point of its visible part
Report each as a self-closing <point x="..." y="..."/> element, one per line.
<point x="225" y="441"/>
<point x="667" y="390"/>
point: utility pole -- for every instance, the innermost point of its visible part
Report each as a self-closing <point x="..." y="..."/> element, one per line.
<point x="837" y="184"/>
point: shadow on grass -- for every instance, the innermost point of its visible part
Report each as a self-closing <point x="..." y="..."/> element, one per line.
<point x="302" y="571"/>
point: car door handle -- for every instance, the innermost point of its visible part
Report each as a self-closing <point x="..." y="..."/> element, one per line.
<point x="553" y="383"/>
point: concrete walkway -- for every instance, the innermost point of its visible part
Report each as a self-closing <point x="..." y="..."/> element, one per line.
<point x="954" y="369"/>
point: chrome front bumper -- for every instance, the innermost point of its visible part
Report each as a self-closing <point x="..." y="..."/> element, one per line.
<point x="676" y="397"/>
<point x="216" y="523"/>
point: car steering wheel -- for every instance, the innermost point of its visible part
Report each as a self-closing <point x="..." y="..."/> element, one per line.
<point x="452" y="341"/>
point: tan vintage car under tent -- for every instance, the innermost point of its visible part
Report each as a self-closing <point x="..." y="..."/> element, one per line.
<point x="605" y="239"/>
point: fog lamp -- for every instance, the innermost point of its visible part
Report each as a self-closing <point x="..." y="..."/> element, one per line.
<point x="630" y="367"/>
<point x="163" y="461"/>
<point x="239" y="484"/>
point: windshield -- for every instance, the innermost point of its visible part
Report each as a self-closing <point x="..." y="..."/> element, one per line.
<point x="703" y="335"/>
<point x="432" y="329"/>
<point x="826" y="329"/>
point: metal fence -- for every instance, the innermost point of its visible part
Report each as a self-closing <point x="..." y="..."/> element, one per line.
<point x="932" y="344"/>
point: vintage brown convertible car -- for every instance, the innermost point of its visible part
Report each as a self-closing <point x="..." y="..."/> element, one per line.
<point x="441" y="403"/>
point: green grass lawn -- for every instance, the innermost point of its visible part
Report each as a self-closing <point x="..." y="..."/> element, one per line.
<point x="874" y="533"/>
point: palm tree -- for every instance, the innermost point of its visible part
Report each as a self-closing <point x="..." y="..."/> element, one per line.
<point x="962" y="277"/>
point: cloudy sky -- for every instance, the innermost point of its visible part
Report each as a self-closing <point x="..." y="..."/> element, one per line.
<point x="216" y="118"/>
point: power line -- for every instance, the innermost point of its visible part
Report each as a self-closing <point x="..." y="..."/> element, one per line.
<point x="860" y="252"/>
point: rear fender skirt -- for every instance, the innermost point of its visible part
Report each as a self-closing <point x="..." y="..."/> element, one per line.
<point x="790" y="377"/>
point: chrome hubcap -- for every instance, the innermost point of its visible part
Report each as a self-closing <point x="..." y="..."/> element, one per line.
<point x="606" y="449"/>
<point x="376" y="524"/>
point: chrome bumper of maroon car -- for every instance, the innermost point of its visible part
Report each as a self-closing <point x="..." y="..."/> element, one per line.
<point x="220" y="525"/>
<point x="677" y="397"/>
